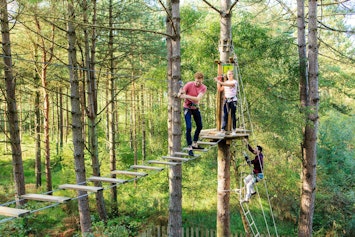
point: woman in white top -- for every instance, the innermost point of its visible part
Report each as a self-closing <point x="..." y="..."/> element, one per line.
<point x="230" y="88"/>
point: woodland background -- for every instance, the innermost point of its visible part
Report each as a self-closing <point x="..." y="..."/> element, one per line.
<point x="264" y="37"/>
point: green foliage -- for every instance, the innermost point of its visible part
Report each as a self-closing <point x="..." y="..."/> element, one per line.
<point x="267" y="57"/>
<point x="335" y="196"/>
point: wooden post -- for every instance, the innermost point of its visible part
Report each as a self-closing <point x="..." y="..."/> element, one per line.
<point x="219" y="99"/>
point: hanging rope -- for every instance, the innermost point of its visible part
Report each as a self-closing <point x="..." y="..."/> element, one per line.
<point x="243" y="104"/>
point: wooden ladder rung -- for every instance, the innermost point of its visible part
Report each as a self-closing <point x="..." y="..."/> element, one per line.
<point x="163" y="162"/>
<point x="207" y="143"/>
<point x="45" y="198"/>
<point x="81" y="187"/>
<point x="145" y="167"/>
<point x="238" y="135"/>
<point x="108" y="180"/>
<point x="13" y="212"/>
<point x="176" y="158"/>
<point x="184" y="154"/>
<point x="124" y="172"/>
<point x="198" y="150"/>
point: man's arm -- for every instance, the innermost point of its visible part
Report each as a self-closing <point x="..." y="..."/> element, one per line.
<point x="194" y="98"/>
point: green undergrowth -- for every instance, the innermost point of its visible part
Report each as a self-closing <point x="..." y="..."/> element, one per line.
<point x="141" y="204"/>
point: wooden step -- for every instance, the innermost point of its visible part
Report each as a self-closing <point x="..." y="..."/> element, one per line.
<point x="163" y="162"/>
<point x="13" y="212"/>
<point x="176" y="158"/>
<point x="195" y="150"/>
<point x="211" y="137"/>
<point x="131" y="173"/>
<point x="207" y="143"/>
<point x="184" y="154"/>
<point x="81" y="187"/>
<point x="242" y="135"/>
<point x="45" y="198"/>
<point x="145" y="167"/>
<point x="106" y="179"/>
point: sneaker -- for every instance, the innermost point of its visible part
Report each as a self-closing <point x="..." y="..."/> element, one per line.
<point x="233" y="132"/>
<point x="191" y="153"/>
<point x="244" y="200"/>
<point x="253" y="193"/>
<point x="222" y="133"/>
<point x="197" y="147"/>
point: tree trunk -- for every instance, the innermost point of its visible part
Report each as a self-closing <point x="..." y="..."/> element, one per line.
<point x="38" y="163"/>
<point x="223" y="197"/>
<point x="112" y="112"/>
<point x="12" y="114"/>
<point x="174" y="110"/>
<point x="309" y="158"/>
<point x="90" y="53"/>
<point x="144" y="139"/>
<point x="302" y="54"/>
<point x="46" y="124"/>
<point x="78" y="141"/>
<point x="61" y="122"/>
<point x="223" y="176"/>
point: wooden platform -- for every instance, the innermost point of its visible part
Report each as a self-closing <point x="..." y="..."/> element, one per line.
<point x="45" y="198"/>
<point x="212" y="134"/>
<point x="146" y="167"/>
<point x="107" y="180"/>
<point x="13" y="212"/>
<point x="163" y="162"/>
<point x="131" y="173"/>
<point x="81" y="187"/>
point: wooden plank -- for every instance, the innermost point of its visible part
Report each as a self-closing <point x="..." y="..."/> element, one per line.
<point x="198" y="150"/>
<point x="131" y="173"/>
<point x="208" y="143"/>
<point x="163" y="162"/>
<point x="184" y="154"/>
<point x="211" y="137"/>
<point x="242" y="135"/>
<point x="146" y="167"/>
<point x="106" y="179"/>
<point x="45" y="198"/>
<point x="176" y="158"/>
<point x="81" y="187"/>
<point x="13" y="212"/>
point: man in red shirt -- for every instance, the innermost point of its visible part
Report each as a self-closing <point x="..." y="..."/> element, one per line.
<point x="193" y="92"/>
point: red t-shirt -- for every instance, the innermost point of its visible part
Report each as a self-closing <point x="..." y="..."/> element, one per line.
<point x="191" y="89"/>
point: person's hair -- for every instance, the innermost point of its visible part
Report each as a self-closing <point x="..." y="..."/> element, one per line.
<point x="198" y="75"/>
<point x="259" y="148"/>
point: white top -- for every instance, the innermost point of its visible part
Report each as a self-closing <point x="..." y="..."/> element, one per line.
<point x="231" y="91"/>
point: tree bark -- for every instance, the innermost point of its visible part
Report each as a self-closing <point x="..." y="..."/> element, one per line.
<point x="90" y="54"/>
<point x="112" y="111"/>
<point x="46" y="123"/>
<point x="309" y="158"/>
<point x="12" y="114"/>
<point x="223" y="176"/>
<point x="78" y="141"/>
<point x="174" y="110"/>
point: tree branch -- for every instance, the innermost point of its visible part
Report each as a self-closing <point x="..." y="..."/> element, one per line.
<point x="209" y="4"/>
<point x="169" y="16"/>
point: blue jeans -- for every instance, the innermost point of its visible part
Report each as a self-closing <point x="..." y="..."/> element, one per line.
<point x="232" y="106"/>
<point x="195" y="113"/>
